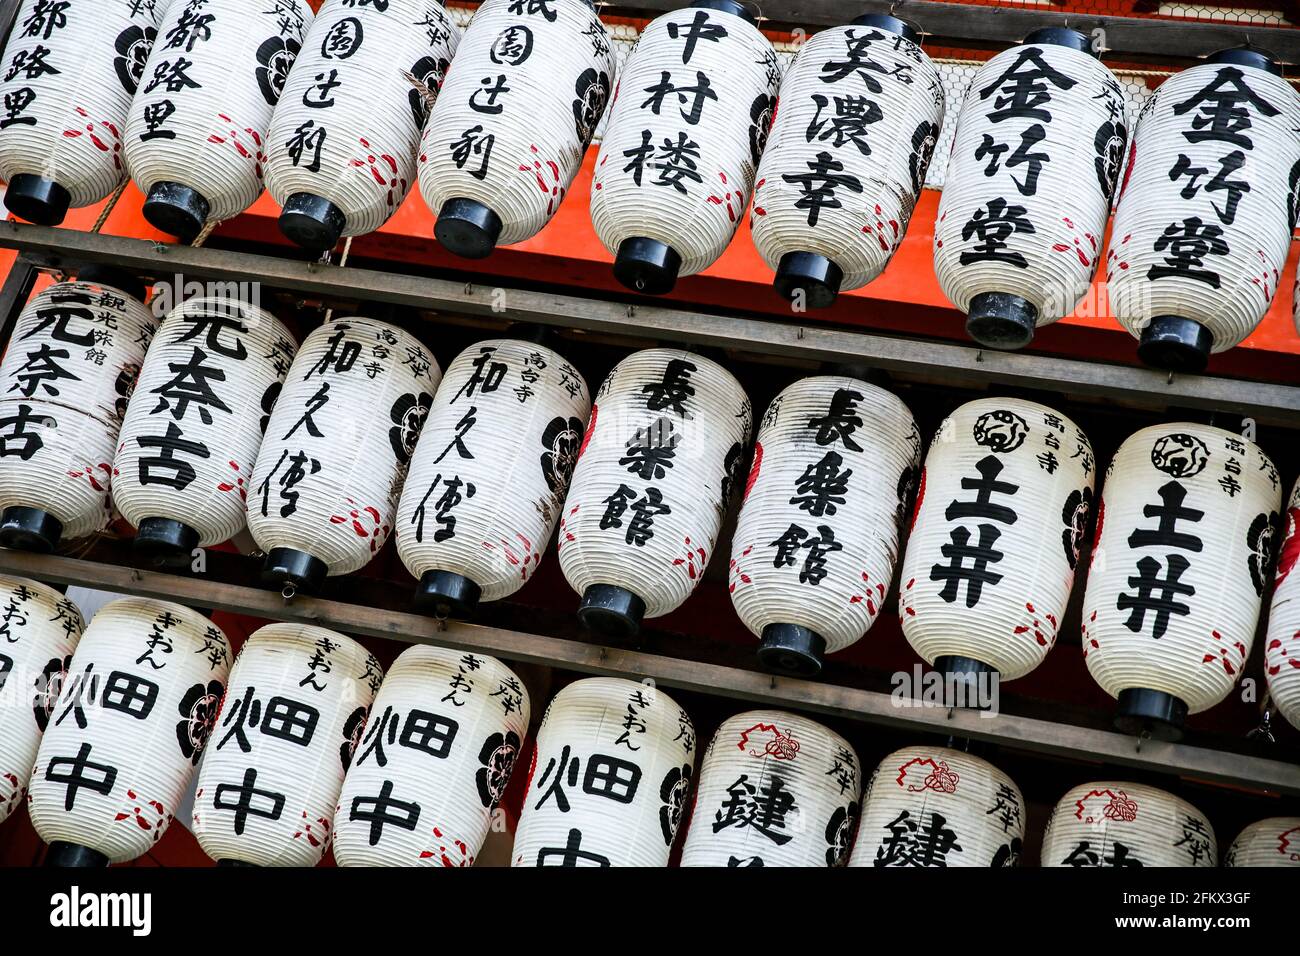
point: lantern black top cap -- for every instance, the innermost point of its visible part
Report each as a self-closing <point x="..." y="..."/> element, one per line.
<point x="890" y="24"/>
<point x="734" y="7"/>
<point x="117" y="278"/>
<point x="1247" y="56"/>
<point x="1063" y="36"/>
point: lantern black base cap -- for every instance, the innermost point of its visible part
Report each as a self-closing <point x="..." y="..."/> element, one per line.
<point x="119" y="279"/>
<point x="37" y="199"/>
<point x="467" y="228"/>
<point x="74" y="856"/>
<point x="29" y="529"/>
<point x="883" y="21"/>
<point x="611" y="611"/>
<point x="165" y="540"/>
<point x="294" y="569"/>
<point x="1150" y="713"/>
<point x="447" y="594"/>
<point x="791" y="649"/>
<point x="176" y="210"/>
<point x="816" y="276"/>
<point x="1247" y="56"/>
<point x="229" y="862"/>
<point x="969" y="672"/>
<point x="647" y="265"/>
<point x="999" y="320"/>
<point x="1175" y="344"/>
<point x="312" y="222"/>
<point x="1062" y="36"/>
<point x="727" y="6"/>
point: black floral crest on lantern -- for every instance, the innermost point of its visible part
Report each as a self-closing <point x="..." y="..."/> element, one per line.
<point x="1179" y="455"/>
<point x="497" y="757"/>
<point x="1293" y="195"/>
<point x="1110" y="143"/>
<point x="408" y="415"/>
<point x="591" y="92"/>
<point x="1001" y="431"/>
<point x="906" y="489"/>
<point x="269" y="398"/>
<point x="923" y="142"/>
<point x="133" y="45"/>
<point x="1259" y="539"/>
<point x="562" y="439"/>
<point x="1008" y="854"/>
<point x="760" y="122"/>
<point x="673" y="792"/>
<point x="124" y="386"/>
<point x="49" y="684"/>
<point x="839" y="832"/>
<point x="353" y="727"/>
<point x="1075" y="516"/>
<point x="274" y="58"/>
<point x="198" y="710"/>
<point x="731" y="472"/>
<point x="426" y="80"/>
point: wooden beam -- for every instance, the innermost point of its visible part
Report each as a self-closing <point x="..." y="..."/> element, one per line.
<point x="1038" y="736"/>
<point x="957" y="365"/>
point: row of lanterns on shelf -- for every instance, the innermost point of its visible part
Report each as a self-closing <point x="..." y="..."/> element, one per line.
<point x="306" y="743"/>
<point x="197" y="101"/>
<point x="326" y="450"/>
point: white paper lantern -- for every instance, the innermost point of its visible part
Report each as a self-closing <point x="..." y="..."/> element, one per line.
<point x="999" y="522"/>
<point x="1203" y="225"/>
<point x="434" y="762"/>
<point x="687" y="125"/>
<point x="513" y="120"/>
<point x="70" y="70"/>
<point x="287" y="731"/>
<point x="344" y="139"/>
<point x="40" y="629"/>
<point x="67" y="374"/>
<point x="1127" y="825"/>
<point x="775" y="789"/>
<point x="655" y="473"/>
<point x="818" y="532"/>
<point x="1187" y="527"/>
<point x="129" y="726"/>
<point x="1282" y="645"/>
<point x="861" y="108"/>
<point x="610" y="777"/>
<point x="937" y="807"/>
<point x="186" y="450"/>
<point x="1271" y="842"/>
<point x="196" y="135"/>
<point x="331" y="466"/>
<point x="1028" y="189"/>
<point x="490" y="474"/>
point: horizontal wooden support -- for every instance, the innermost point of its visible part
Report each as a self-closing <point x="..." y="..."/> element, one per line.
<point x="1181" y="39"/>
<point x="958" y="365"/>
<point x="1038" y="736"/>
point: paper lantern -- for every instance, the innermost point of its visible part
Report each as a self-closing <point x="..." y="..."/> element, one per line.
<point x="1282" y="645"/>
<point x="67" y="374"/>
<point x="1271" y="842"/>
<point x="344" y="138"/>
<point x="288" y="729"/>
<point x="434" y="762"/>
<point x="128" y="728"/>
<point x="1188" y="521"/>
<point x="331" y="466"/>
<point x="818" y="532"/>
<point x="196" y="141"/>
<point x="610" y="777"/>
<point x="937" y="807"/>
<point x="40" y="628"/>
<point x="1204" y="221"/>
<point x="686" y="129"/>
<point x="489" y="478"/>
<point x="1127" y="825"/>
<point x="71" y="69"/>
<point x="775" y="789"/>
<point x="861" y="108"/>
<point x="1028" y="189"/>
<point x="656" y="469"/>
<point x="512" y="122"/>
<point x="186" y="450"/>
<point x="999" y="522"/>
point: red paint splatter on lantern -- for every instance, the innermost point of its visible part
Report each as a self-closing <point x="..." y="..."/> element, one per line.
<point x="1221" y="652"/>
<point x="366" y="522"/>
<point x="1282" y="653"/>
<point x="250" y="147"/>
<point x="758" y="210"/>
<point x="1089" y="642"/>
<point x="591" y="428"/>
<point x="753" y="471"/>
<point x="1042" y="635"/>
<point x="149" y="815"/>
<point x="873" y="595"/>
<point x="920" y="497"/>
<point x="239" y="484"/>
<point x="462" y="855"/>
<point x="383" y="170"/>
<point x="103" y="135"/>
<point x="690" y="555"/>
<point x="521" y="556"/>
<point x="1290" y="553"/>
<point x="1083" y="245"/>
<point x="737" y="573"/>
<point x="730" y="198"/>
<point x="546" y="172"/>
<point x="92" y="479"/>
<point x="1113" y="260"/>
<point x="905" y="596"/>
<point x="316" y="832"/>
<point x="566" y="536"/>
<point x="1268" y="277"/>
<point x="888" y="233"/>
